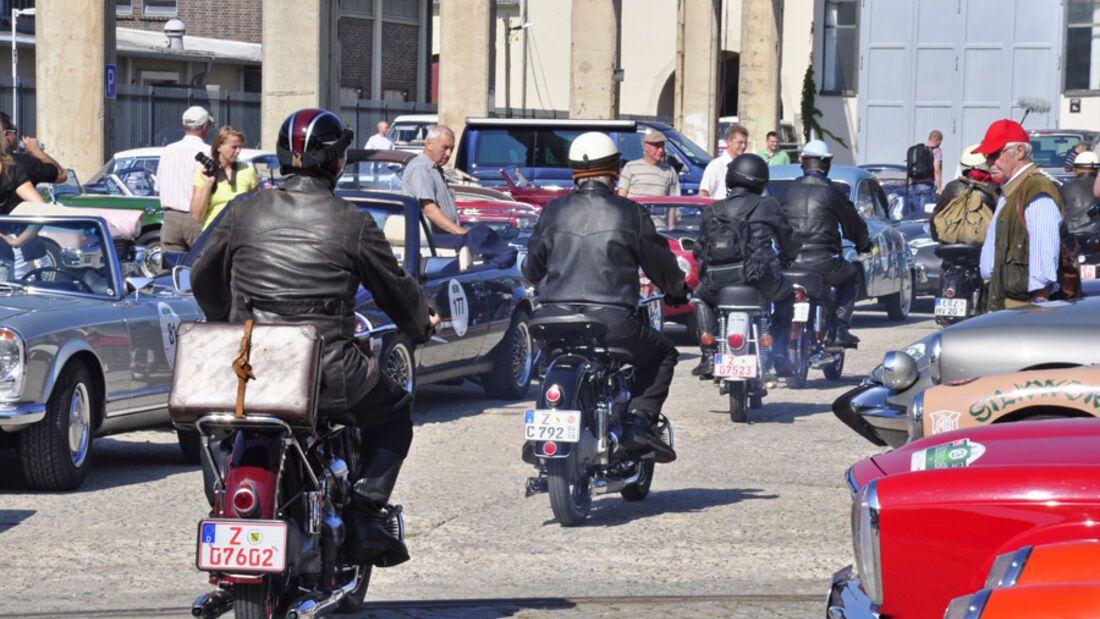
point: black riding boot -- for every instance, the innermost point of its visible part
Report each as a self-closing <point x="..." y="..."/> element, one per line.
<point x="369" y="541"/>
<point x="707" y="329"/>
<point x="641" y="431"/>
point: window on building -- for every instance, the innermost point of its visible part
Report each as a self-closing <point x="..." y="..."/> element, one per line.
<point x="1082" y="45"/>
<point x="160" y="7"/>
<point x="839" y="69"/>
<point x="358" y="8"/>
<point x="124" y="7"/>
<point x="403" y="10"/>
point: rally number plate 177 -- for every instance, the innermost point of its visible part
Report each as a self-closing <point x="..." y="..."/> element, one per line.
<point x="552" y="425"/>
<point x="242" y="545"/>
<point x="735" y="366"/>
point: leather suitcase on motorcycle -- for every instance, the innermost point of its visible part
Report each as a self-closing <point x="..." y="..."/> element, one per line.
<point x="285" y="360"/>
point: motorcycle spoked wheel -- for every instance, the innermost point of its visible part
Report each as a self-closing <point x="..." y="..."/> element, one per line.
<point x="801" y="359"/>
<point x="739" y="400"/>
<point x="570" y="488"/>
<point x="833" y="370"/>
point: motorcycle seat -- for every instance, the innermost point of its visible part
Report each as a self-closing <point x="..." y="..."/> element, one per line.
<point x="811" y="281"/>
<point x="959" y="252"/>
<point x="575" y="329"/>
<point x="741" y="297"/>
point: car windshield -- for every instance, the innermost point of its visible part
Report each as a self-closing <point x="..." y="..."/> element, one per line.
<point x="683" y="219"/>
<point x="1049" y="151"/>
<point x="65" y="256"/>
<point x="691" y="150"/>
<point x="376" y="175"/>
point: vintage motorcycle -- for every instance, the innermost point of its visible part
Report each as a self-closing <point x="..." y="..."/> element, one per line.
<point x="811" y="329"/>
<point x="742" y="361"/>
<point x="960" y="283"/>
<point x="574" y="436"/>
<point x="280" y="478"/>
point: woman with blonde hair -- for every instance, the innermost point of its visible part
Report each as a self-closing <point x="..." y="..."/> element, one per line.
<point x="229" y="180"/>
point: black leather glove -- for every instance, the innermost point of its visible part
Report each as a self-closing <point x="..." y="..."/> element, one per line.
<point x="678" y="300"/>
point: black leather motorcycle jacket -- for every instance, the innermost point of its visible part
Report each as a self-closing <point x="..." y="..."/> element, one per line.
<point x="767" y="225"/>
<point x="1077" y="197"/>
<point x="298" y="254"/>
<point x="818" y="212"/>
<point x="587" y="247"/>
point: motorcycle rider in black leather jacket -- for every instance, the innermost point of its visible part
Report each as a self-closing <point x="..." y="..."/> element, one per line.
<point x="584" y="256"/>
<point x="298" y="254"/>
<point x="773" y="243"/>
<point x="1077" y="197"/>
<point x="818" y="212"/>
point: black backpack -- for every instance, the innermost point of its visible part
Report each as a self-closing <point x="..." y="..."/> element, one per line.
<point x="727" y="239"/>
<point x="919" y="162"/>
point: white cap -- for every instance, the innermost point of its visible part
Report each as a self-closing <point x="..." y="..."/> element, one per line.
<point x="196" y="117"/>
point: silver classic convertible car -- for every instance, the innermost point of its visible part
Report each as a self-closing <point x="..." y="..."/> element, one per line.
<point x="86" y="344"/>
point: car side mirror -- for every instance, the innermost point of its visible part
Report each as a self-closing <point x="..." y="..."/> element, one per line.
<point x="181" y="279"/>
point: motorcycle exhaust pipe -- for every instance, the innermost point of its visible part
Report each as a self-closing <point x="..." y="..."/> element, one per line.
<point x="821" y="360"/>
<point x="212" y="604"/>
<point x="604" y="486"/>
<point x="309" y="607"/>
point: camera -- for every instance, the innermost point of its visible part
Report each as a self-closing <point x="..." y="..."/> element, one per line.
<point x="209" y="166"/>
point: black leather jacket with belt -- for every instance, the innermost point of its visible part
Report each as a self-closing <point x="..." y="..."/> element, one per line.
<point x="298" y="254"/>
<point x="587" y="247"/>
<point x="1077" y="197"/>
<point x="814" y="208"/>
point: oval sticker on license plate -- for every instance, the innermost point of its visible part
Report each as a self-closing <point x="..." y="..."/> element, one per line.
<point x="242" y="545"/>
<point x="552" y="425"/>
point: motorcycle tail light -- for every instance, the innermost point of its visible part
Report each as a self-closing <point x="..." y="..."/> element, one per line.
<point x="707" y="339"/>
<point x="245" y="501"/>
<point x="800" y="294"/>
<point x="736" y="341"/>
<point x="766" y="340"/>
<point x="550" y="448"/>
<point x="949" y="293"/>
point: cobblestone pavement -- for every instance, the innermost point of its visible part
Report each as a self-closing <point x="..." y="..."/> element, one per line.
<point x="756" y="509"/>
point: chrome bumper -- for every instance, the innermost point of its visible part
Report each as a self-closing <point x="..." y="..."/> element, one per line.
<point x="864" y="410"/>
<point x="19" y="416"/>
<point x="847" y="599"/>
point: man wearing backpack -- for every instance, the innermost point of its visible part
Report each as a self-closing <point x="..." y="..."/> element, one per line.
<point x="924" y="171"/>
<point x="1022" y="249"/>
<point x="965" y="208"/>
<point x="736" y="245"/>
<point x="819" y="213"/>
<point x="1077" y="197"/>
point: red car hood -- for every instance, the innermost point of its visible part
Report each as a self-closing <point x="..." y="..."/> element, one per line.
<point x="1057" y="441"/>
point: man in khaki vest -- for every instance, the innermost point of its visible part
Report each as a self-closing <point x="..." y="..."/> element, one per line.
<point x="1022" y="246"/>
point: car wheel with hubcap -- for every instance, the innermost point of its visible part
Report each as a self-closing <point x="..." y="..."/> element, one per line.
<point x="899" y="303"/>
<point x="150" y="266"/>
<point x="55" y="452"/>
<point x="397" y="364"/>
<point x="513" y="362"/>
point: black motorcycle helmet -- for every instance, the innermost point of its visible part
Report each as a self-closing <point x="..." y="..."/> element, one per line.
<point x="313" y="142"/>
<point x="749" y="171"/>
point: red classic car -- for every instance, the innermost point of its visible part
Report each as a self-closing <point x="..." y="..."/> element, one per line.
<point x="930" y="518"/>
<point x="678" y="218"/>
<point x="1056" y="601"/>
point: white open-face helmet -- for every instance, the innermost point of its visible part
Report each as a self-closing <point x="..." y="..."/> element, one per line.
<point x="593" y="154"/>
<point x="817" y="148"/>
<point x="1087" y="159"/>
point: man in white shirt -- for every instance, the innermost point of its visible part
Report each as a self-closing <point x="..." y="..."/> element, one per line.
<point x="379" y="141"/>
<point x="175" y="181"/>
<point x="714" y="176"/>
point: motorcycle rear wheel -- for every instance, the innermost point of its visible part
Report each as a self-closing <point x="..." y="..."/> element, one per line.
<point x="253" y="601"/>
<point x="738" y="401"/>
<point x="570" y="490"/>
<point x="801" y="361"/>
<point x="640" y="490"/>
<point x="833" y="370"/>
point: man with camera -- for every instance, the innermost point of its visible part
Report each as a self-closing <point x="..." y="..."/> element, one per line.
<point x="175" y="176"/>
<point x="39" y="167"/>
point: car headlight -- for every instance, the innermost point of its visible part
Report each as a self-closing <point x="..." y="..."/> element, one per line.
<point x="1007" y="568"/>
<point x="915" y="417"/>
<point x="865" y="539"/>
<point x="685" y="266"/>
<point x="967" y="606"/>
<point x="899" y="371"/>
<point x="935" y="350"/>
<point x="12" y="364"/>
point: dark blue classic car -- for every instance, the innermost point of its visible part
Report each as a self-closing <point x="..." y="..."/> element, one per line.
<point x="484" y="307"/>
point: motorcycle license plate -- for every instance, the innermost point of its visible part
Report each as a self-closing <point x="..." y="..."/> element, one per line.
<point x="552" y="425"/>
<point x="802" y="312"/>
<point x="242" y="545"/>
<point x="735" y="366"/>
<point x="950" y="307"/>
<point x="1088" y="271"/>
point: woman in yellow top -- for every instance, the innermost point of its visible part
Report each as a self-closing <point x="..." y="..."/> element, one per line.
<point x="231" y="179"/>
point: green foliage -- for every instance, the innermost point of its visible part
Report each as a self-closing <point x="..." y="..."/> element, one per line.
<point x="810" y="113"/>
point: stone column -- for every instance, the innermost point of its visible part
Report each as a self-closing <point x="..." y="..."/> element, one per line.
<point x="593" y="56"/>
<point x="696" y="100"/>
<point x="758" y="99"/>
<point x="464" y="39"/>
<point x="71" y="45"/>
<point x="301" y="68"/>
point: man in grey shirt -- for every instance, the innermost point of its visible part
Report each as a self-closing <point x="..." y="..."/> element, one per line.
<point x="424" y="181"/>
<point x="651" y="175"/>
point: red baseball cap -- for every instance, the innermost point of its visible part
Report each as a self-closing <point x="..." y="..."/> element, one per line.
<point x="1000" y="133"/>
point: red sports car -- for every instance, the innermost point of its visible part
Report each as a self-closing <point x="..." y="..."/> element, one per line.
<point x="678" y="218"/>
